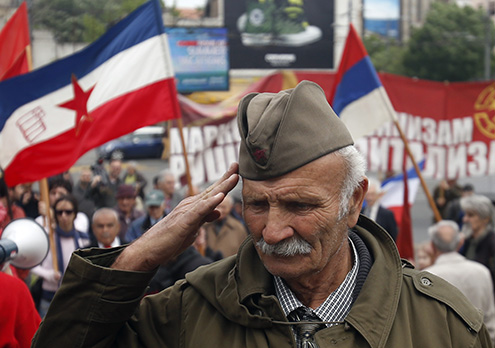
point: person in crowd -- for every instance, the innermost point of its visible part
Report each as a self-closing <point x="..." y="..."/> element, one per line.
<point x="375" y="211"/>
<point x="310" y="256"/>
<point x="133" y="177"/>
<point x="29" y="200"/>
<point x="470" y="277"/>
<point x="19" y="320"/>
<point x="423" y="255"/>
<point x="67" y="239"/>
<point x="226" y="233"/>
<point x="453" y="210"/>
<point x="114" y="181"/>
<point x="166" y="183"/>
<point x="105" y="226"/>
<point x="446" y="191"/>
<point x="126" y="201"/>
<point x="66" y="176"/>
<point x="57" y="188"/>
<point x="176" y="269"/>
<point x="478" y="229"/>
<point x="86" y="192"/>
<point x="9" y="211"/>
<point x="202" y="247"/>
<point x="107" y="183"/>
<point x="154" y="203"/>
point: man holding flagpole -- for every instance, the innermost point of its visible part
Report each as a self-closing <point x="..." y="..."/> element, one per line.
<point x="312" y="273"/>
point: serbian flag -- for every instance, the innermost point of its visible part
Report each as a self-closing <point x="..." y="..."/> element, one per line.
<point x="399" y="195"/>
<point x="358" y="96"/>
<point x="14" y="44"/>
<point x="52" y="116"/>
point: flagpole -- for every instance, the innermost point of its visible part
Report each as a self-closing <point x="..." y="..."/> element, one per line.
<point x="391" y="110"/>
<point x="184" y="152"/>
<point x="47" y="221"/>
<point x="164" y="43"/>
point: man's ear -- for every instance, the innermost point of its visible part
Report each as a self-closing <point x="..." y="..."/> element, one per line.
<point x="356" y="202"/>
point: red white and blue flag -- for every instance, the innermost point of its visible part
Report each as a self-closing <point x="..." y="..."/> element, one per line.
<point x="399" y="195"/>
<point x="53" y="115"/>
<point x="358" y="96"/>
<point x="393" y="189"/>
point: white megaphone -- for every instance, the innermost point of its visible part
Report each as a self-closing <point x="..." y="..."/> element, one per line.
<point x="24" y="243"/>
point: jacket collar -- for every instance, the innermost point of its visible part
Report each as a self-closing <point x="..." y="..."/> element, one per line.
<point x="374" y="311"/>
<point x="250" y="300"/>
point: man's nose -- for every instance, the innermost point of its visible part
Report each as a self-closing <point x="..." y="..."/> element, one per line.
<point x="277" y="228"/>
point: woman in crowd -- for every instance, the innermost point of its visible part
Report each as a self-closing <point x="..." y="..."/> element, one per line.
<point x="67" y="239"/>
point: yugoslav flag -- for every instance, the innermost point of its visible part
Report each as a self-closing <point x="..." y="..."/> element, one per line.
<point x="393" y="189"/>
<point x="14" y="45"/>
<point x="358" y="96"/>
<point x="122" y="81"/>
<point x="399" y="194"/>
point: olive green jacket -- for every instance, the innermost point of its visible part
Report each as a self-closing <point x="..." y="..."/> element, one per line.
<point x="232" y="304"/>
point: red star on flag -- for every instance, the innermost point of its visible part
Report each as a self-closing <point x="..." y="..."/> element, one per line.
<point x="79" y="104"/>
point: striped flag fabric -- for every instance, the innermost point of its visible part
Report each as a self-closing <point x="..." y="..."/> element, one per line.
<point x="358" y="96"/>
<point x="399" y="195"/>
<point x="14" y="44"/>
<point x="122" y="81"/>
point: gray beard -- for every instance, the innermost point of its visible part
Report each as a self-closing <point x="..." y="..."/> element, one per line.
<point x="288" y="247"/>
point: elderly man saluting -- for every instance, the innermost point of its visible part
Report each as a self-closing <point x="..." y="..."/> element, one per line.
<point x="312" y="273"/>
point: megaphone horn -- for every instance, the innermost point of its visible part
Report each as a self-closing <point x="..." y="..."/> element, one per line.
<point x="24" y="242"/>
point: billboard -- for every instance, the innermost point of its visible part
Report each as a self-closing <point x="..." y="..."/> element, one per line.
<point x="200" y="58"/>
<point x="382" y="17"/>
<point x="275" y="34"/>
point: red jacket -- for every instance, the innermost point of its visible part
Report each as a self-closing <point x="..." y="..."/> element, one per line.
<point x="19" y="320"/>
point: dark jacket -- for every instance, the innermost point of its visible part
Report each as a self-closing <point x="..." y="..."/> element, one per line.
<point x="485" y="251"/>
<point x="386" y="219"/>
<point x="138" y="227"/>
<point x="168" y="274"/>
<point x="232" y="303"/>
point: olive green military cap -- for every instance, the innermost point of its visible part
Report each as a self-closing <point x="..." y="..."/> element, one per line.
<point x="283" y="131"/>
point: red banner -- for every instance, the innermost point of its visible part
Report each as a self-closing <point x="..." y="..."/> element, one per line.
<point x="452" y="125"/>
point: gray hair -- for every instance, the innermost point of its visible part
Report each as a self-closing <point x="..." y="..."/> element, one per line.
<point x="445" y="243"/>
<point x="103" y="211"/>
<point x="163" y="174"/>
<point x="132" y="164"/>
<point x="355" y="170"/>
<point x="480" y="205"/>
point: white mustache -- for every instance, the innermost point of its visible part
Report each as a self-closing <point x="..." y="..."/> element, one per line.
<point x="288" y="247"/>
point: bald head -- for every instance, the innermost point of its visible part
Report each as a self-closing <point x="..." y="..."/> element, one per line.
<point x="105" y="224"/>
<point x="445" y="236"/>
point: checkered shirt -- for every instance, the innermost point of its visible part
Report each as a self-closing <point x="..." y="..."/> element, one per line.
<point x="336" y="306"/>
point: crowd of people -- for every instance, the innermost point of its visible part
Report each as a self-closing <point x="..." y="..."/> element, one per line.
<point x="320" y="248"/>
<point x="107" y="207"/>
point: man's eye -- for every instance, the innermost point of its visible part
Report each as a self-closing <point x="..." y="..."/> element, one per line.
<point x="257" y="204"/>
<point x="299" y="206"/>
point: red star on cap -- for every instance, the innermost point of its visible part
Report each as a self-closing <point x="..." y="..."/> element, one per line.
<point x="79" y="104"/>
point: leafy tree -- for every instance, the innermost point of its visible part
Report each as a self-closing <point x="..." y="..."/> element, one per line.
<point x="385" y="53"/>
<point x="80" y="20"/>
<point x="450" y="46"/>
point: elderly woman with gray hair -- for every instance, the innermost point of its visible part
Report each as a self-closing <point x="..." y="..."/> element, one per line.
<point x="478" y="228"/>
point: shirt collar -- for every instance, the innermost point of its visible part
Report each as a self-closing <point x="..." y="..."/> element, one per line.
<point x="335" y="307"/>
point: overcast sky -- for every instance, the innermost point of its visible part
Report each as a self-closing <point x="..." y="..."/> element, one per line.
<point x="185" y="3"/>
